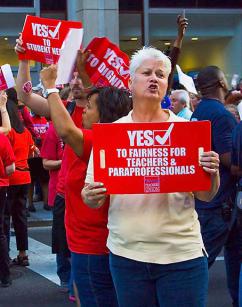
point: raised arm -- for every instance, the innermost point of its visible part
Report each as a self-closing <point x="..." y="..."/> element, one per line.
<point x="210" y="163"/>
<point x="182" y="24"/>
<point x="61" y="119"/>
<point x="6" y="126"/>
<point x="24" y="87"/>
<point x="81" y="60"/>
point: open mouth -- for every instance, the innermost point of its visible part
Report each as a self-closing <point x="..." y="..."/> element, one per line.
<point x="153" y="87"/>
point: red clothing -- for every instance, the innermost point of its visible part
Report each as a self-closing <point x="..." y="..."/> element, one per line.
<point x="52" y="149"/>
<point x="6" y="158"/>
<point x="22" y="144"/>
<point x="27" y="120"/>
<point x="86" y="228"/>
<point x="66" y="159"/>
<point x="40" y="127"/>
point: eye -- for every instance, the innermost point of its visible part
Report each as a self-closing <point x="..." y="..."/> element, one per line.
<point x="146" y="73"/>
<point x="160" y="74"/>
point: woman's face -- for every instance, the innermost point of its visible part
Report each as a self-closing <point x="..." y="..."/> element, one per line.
<point x="150" y="81"/>
<point x="90" y="114"/>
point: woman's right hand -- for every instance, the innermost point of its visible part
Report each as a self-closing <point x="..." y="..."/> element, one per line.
<point x="19" y="45"/>
<point x="94" y="194"/>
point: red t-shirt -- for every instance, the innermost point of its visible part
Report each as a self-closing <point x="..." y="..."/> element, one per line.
<point x="22" y="144"/>
<point x="40" y="127"/>
<point x="6" y="158"/>
<point x="66" y="159"/>
<point x="52" y="149"/>
<point x="86" y="228"/>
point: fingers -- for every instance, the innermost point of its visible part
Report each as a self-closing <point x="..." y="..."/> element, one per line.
<point x="94" y="194"/>
<point x="210" y="162"/>
<point x="19" y="45"/>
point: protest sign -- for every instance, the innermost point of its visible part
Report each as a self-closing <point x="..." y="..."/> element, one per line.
<point x="186" y="81"/>
<point x="140" y="158"/>
<point x="43" y="38"/>
<point x="68" y="53"/>
<point x="6" y="77"/>
<point x="107" y="65"/>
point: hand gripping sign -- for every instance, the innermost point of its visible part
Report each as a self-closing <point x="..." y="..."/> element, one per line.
<point x="6" y="77"/>
<point x="140" y="158"/>
<point x="43" y="38"/>
<point x="107" y="65"/>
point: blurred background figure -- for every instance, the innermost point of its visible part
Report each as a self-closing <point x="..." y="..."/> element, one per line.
<point x="180" y="103"/>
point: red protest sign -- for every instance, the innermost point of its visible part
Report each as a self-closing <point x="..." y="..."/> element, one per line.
<point x="43" y="38"/>
<point x="140" y="158"/>
<point x="107" y="65"/>
<point x="6" y="77"/>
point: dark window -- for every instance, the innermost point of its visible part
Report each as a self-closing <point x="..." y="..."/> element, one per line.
<point x="127" y="5"/>
<point x="172" y="3"/>
<point x="25" y="3"/>
<point x="220" y="3"/>
<point x="47" y="5"/>
<point x="197" y="3"/>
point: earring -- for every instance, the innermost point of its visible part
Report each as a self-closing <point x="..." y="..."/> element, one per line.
<point x="130" y="95"/>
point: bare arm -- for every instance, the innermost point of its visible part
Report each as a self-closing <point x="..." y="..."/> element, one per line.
<point x="50" y="165"/>
<point x="6" y="126"/>
<point x="35" y="102"/>
<point x="182" y="24"/>
<point x="10" y="169"/>
<point x="62" y="121"/>
<point x="80" y="64"/>
<point x="210" y="163"/>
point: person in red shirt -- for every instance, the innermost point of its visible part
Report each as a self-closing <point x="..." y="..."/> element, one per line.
<point x="37" y="171"/>
<point x="86" y="229"/>
<point x="7" y="167"/>
<point x="23" y="146"/>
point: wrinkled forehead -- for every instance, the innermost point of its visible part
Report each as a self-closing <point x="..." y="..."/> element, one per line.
<point x="152" y="63"/>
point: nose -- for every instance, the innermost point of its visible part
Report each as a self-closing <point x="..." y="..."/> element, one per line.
<point x="153" y="77"/>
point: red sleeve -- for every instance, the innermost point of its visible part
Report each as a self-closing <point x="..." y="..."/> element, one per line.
<point x="28" y="122"/>
<point x="31" y="144"/>
<point x="7" y="154"/>
<point x="11" y="137"/>
<point x="50" y="149"/>
<point x="87" y="144"/>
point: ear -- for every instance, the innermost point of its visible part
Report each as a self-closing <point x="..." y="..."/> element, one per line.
<point x="222" y="83"/>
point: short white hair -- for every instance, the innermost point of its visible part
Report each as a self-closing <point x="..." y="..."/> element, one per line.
<point x="182" y="96"/>
<point x="147" y="53"/>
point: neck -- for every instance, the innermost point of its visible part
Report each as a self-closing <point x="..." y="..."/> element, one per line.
<point x="81" y="102"/>
<point x="148" y="111"/>
<point x="218" y="95"/>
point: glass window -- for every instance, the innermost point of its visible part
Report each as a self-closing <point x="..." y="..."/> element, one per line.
<point x="196" y="3"/>
<point x="7" y="53"/>
<point x="11" y="3"/>
<point x="172" y="3"/>
<point x="47" y="5"/>
<point x="127" y="5"/>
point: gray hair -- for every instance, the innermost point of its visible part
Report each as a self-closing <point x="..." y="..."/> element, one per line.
<point x="148" y="53"/>
<point x="183" y="96"/>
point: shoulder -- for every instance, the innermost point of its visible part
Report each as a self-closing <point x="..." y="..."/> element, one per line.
<point x="174" y="118"/>
<point x="125" y="119"/>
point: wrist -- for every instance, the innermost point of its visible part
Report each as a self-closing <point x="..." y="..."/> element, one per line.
<point x="49" y="86"/>
<point x="3" y="109"/>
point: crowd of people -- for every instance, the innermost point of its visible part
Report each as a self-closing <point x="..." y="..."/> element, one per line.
<point x="121" y="250"/>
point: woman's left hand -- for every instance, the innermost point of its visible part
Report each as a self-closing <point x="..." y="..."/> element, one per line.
<point x="3" y="99"/>
<point x="210" y="162"/>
